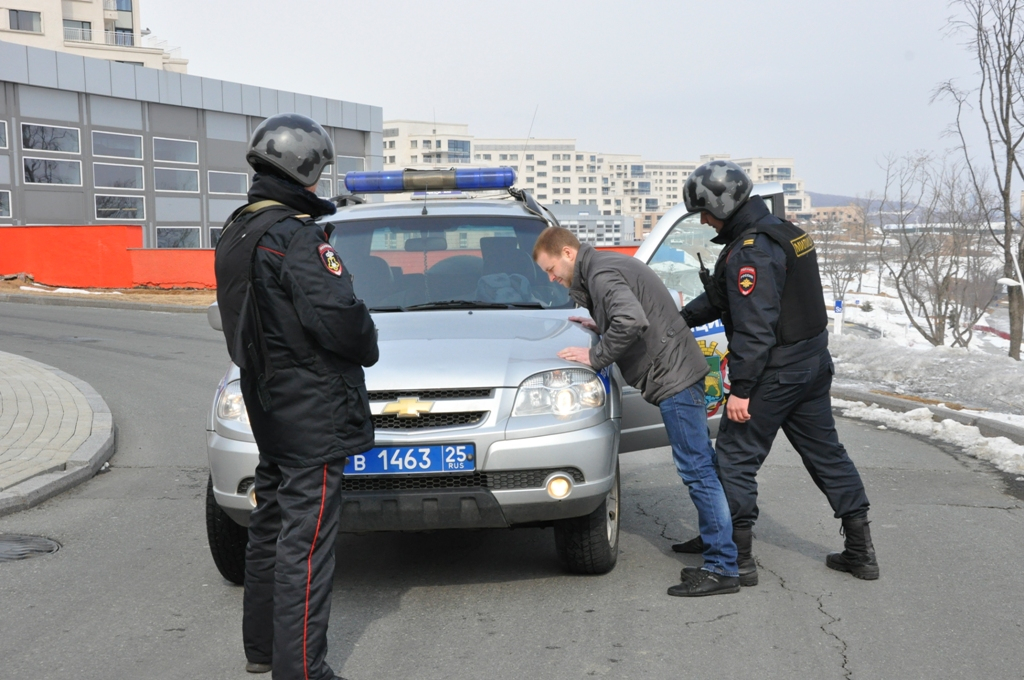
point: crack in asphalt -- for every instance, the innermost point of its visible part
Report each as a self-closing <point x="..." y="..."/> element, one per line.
<point x="717" y="618"/>
<point x="843" y="647"/>
<point x="658" y="521"/>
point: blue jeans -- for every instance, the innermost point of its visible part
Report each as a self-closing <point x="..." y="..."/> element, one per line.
<point x="686" y="421"/>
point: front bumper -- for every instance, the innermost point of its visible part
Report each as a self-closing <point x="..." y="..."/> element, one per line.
<point x="590" y="452"/>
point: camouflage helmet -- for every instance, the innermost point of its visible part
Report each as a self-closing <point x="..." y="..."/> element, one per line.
<point x="293" y="145"/>
<point x="720" y="187"/>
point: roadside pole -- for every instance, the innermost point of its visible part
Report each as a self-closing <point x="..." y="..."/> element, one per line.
<point x="838" y="330"/>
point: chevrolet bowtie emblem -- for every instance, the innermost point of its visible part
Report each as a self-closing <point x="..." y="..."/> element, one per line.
<point x="408" y="408"/>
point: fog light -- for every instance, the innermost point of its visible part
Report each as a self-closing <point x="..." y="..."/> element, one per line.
<point x="252" y="495"/>
<point x="559" y="487"/>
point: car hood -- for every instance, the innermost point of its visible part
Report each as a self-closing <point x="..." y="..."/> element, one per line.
<point x="471" y="348"/>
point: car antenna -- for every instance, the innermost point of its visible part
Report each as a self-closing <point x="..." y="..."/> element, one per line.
<point x="526" y="142"/>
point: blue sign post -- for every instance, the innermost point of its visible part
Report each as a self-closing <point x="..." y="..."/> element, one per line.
<point x="838" y="330"/>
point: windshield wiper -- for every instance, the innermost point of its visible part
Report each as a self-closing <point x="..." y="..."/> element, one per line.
<point x="388" y="308"/>
<point x="458" y="304"/>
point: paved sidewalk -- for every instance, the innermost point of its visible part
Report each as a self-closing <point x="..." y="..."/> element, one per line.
<point x="55" y="432"/>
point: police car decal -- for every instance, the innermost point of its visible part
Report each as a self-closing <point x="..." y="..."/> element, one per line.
<point x="747" y="280"/>
<point x="329" y="258"/>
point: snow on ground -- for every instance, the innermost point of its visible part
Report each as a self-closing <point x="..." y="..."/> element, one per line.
<point x="1000" y="451"/>
<point x="78" y="291"/>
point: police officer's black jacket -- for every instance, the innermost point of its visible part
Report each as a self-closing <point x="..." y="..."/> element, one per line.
<point x="302" y="381"/>
<point x="767" y="291"/>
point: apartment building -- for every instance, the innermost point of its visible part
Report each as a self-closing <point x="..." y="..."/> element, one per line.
<point x="558" y="173"/>
<point x="102" y="29"/>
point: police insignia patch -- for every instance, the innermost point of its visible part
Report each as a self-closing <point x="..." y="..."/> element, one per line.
<point x="330" y="259"/>
<point x="747" y="280"/>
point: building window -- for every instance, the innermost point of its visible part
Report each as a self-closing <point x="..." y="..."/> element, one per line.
<point x="542" y="197"/>
<point x="110" y="176"/>
<point x="49" y="171"/>
<point x="50" y="138"/>
<point x="391" y="144"/>
<point x="650" y="204"/>
<point x="123" y="5"/>
<point x="120" y="207"/>
<point x="26" y="21"/>
<point x="487" y="156"/>
<point x="228" y="182"/>
<point x="513" y="157"/>
<point x="784" y="173"/>
<point x="178" y="237"/>
<point x="80" y="31"/>
<point x="413" y="144"/>
<point x="529" y="180"/>
<point x="175" y="179"/>
<point x="529" y="168"/>
<point x="121" y="36"/>
<point x="5" y="203"/>
<point x="3" y="134"/>
<point x="542" y="162"/>
<point x="323" y="188"/>
<point x="636" y="171"/>
<point x="427" y="144"/>
<point x="503" y="157"/>
<point x="414" y="159"/>
<point x="215" y="235"/>
<point x="114" y="145"/>
<point x="529" y="156"/>
<point x="583" y="190"/>
<point x="349" y="164"/>
<point x="175" y="150"/>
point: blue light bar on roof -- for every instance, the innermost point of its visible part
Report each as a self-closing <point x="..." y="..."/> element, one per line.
<point x="392" y="181"/>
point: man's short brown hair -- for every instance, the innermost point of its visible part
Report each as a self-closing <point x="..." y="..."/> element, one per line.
<point x="552" y="240"/>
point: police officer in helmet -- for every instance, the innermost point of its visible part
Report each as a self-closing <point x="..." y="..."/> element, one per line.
<point x="301" y="339"/>
<point x="766" y="290"/>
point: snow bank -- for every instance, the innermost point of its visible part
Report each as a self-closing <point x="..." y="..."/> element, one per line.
<point x="1000" y="451"/>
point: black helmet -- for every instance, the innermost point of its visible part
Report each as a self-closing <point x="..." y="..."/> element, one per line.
<point x="720" y="187"/>
<point x="292" y="145"/>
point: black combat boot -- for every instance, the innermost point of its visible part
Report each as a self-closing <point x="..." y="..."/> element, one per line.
<point x="743" y="538"/>
<point x="858" y="558"/>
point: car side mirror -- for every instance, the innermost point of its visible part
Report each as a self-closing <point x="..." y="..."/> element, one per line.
<point x="213" y="316"/>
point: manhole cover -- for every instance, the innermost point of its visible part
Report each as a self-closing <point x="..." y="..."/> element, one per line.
<point x="20" y="547"/>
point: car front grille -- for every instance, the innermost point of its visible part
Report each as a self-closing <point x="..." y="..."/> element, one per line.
<point x="469" y="393"/>
<point x="510" y="479"/>
<point x="428" y="420"/>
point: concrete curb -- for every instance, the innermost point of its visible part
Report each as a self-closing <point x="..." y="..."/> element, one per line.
<point x="37" y="299"/>
<point x="988" y="427"/>
<point x="83" y="464"/>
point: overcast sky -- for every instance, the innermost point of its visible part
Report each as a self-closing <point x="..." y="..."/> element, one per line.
<point x="835" y="84"/>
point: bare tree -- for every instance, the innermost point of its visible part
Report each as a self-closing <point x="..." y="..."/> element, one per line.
<point x="866" y="233"/>
<point x="994" y="30"/>
<point x="837" y="256"/>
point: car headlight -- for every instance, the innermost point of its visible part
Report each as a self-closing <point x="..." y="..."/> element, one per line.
<point x="230" y="405"/>
<point x="562" y="392"/>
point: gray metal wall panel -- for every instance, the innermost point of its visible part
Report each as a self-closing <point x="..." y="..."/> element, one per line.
<point x="318" y="106"/>
<point x="121" y="113"/>
<point x="225" y="155"/>
<point x="37" y="102"/>
<point x="374" y="144"/>
<point x="268" y="102"/>
<point x="56" y="207"/>
<point x="226" y="126"/>
<point x="170" y="88"/>
<point x="362" y="117"/>
<point x="220" y="210"/>
<point x="250" y="100"/>
<point x="334" y="117"/>
<point x="147" y="84"/>
<point x="172" y="121"/>
<point x="122" y="80"/>
<point x="285" y="101"/>
<point x="349" y="143"/>
<point x="176" y="209"/>
<point x="97" y="76"/>
<point x="13" y="62"/>
<point x="375" y="163"/>
<point x="42" y="67"/>
<point x="232" y="97"/>
<point x="70" y="72"/>
<point x="3" y="98"/>
<point x="304" y="105"/>
<point x="213" y="96"/>
<point x="376" y="119"/>
<point x="5" y="169"/>
<point x="191" y="91"/>
<point x="348" y="115"/>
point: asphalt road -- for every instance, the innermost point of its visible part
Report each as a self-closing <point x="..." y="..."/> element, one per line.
<point x="133" y="593"/>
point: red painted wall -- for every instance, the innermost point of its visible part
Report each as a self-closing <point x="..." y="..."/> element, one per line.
<point x="172" y="268"/>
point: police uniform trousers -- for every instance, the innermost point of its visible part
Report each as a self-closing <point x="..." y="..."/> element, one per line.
<point x="289" y="568"/>
<point x="795" y="398"/>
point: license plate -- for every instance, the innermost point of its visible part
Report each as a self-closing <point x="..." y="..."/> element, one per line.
<point x="413" y="459"/>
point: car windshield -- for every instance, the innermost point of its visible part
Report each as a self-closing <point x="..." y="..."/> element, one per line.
<point x="446" y="262"/>
<point x="676" y="262"/>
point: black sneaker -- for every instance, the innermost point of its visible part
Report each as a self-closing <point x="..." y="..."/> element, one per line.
<point x="748" y="578"/>
<point x="705" y="583"/>
<point x="253" y="667"/>
<point x="695" y="546"/>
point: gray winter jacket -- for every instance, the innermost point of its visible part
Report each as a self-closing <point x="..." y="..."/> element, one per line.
<point x="641" y="329"/>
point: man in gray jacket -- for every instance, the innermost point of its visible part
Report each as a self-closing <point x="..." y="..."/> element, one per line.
<point x="641" y="331"/>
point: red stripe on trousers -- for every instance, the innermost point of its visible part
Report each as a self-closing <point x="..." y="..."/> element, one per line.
<point x="309" y="575"/>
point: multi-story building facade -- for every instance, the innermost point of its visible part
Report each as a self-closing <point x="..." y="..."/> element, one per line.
<point x="558" y="173"/>
<point x="92" y="141"/>
<point x="103" y="29"/>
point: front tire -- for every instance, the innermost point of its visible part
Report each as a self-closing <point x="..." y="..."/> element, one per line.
<point x="590" y="544"/>
<point x="227" y="539"/>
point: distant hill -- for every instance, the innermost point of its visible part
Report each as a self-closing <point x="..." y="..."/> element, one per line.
<point x="829" y="200"/>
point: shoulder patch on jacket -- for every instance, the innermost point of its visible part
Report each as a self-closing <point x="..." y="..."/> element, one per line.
<point x="748" y="242"/>
<point x="802" y="245"/>
<point x="329" y="258"/>
<point x="747" y="280"/>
